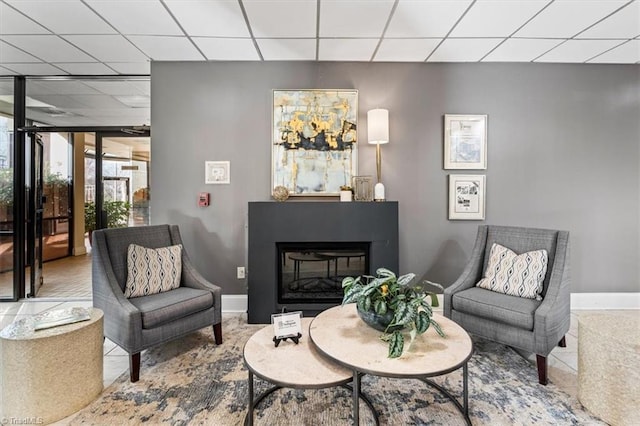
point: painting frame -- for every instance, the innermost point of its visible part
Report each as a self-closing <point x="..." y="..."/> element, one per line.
<point x="465" y="141"/>
<point x="467" y="196"/>
<point x="217" y="172"/>
<point x="314" y="135"/>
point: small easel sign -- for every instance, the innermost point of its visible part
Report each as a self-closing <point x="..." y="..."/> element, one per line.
<point x="287" y="326"/>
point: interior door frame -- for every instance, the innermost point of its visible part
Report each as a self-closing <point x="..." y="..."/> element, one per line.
<point x="35" y="214"/>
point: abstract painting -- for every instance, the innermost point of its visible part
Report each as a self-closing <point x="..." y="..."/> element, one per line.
<point x="314" y="140"/>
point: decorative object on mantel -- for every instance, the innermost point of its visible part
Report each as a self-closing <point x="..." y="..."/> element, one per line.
<point x="466" y="197"/>
<point x="280" y="193"/>
<point x="465" y="141"/>
<point x="363" y="188"/>
<point x="389" y="304"/>
<point x="346" y="193"/>
<point x="314" y="140"/>
<point x="378" y="132"/>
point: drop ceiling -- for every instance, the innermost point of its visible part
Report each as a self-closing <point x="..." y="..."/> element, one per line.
<point x="118" y="37"/>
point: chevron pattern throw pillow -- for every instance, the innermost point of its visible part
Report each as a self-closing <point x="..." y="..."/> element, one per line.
<point x="152" y="271"/>
<point x="516" y="275"/>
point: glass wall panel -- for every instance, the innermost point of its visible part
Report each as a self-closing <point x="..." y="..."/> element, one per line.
<point x="6" y="187"/>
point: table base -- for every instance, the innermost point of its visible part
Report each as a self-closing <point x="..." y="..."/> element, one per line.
<point x="253" y="402"/>
<point x="462" y="408"/>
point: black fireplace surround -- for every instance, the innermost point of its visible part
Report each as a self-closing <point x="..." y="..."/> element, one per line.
<point x="308" y="223"/>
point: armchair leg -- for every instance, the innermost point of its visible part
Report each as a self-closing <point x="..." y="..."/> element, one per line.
<point x="134" y="367"/>
<point x="542" y="369"/>
<point x="217" y="333"/>
<point x="563" y="342"/>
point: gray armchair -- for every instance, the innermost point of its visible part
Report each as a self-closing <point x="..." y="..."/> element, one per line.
<point x="535" y="326"/>
<point x="142" y="322"/>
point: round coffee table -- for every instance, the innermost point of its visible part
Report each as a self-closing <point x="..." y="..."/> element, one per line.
<point x="291" y="365"/>
<point x="342" y="336"/>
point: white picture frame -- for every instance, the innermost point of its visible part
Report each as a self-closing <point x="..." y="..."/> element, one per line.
<point x="465" y="141"/>
<point x="287" y="324"/>
<point x="467" y="197"/>
<point x="217" y="172"/>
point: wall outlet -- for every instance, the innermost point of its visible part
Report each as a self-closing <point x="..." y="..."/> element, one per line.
<point x="240" y="272"/>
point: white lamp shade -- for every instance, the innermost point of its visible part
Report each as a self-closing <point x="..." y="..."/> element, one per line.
<point x="378" y="126"/>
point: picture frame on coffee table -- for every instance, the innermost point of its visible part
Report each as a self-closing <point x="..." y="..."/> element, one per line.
<point x="467" y="197"/>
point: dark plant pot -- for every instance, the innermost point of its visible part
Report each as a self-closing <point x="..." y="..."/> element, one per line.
<point x="379" y="322"/>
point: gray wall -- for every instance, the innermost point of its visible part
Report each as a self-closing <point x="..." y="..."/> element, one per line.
<point x="563" y="153"/>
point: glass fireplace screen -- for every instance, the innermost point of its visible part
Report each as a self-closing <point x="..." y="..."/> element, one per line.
<point x="309" y="272"/>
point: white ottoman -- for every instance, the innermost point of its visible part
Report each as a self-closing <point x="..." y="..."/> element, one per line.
<point x="49" y="374"/>
<point x="609" y="366"/>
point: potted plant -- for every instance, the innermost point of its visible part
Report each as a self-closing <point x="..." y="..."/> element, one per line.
<point x="390" y="304"/>
<point x="117" y="215"/>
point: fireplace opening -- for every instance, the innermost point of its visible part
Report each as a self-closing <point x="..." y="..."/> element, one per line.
<point x="313" y="272"/>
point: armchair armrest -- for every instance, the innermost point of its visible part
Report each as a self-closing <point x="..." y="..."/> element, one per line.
<point x="122" y="320"/>
<point x="550" y="319"/>
<point x="192" y="278"/>
<point x="471" y="273"/>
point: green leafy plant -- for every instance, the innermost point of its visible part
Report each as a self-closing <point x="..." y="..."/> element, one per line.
<point x="386" y="293"/>
<point x="117" y="214"/>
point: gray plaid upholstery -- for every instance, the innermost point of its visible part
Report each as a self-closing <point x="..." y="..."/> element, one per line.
<point x="534" y="326"/>
<point x="139" y="323"/>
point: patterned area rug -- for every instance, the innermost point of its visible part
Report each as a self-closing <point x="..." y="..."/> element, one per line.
<point x="191" y="381"/>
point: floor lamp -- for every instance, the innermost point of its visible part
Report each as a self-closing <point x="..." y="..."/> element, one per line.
<point x="378" y="132"/>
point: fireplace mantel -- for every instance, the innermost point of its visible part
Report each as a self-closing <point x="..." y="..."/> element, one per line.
<point x="309" y="222"/>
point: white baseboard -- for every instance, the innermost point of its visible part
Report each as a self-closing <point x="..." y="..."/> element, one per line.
<point x="583" y="301"/>
<point x="579" y="301"/>
<point x="234" y="303"/>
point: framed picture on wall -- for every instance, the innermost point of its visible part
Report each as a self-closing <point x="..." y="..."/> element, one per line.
<point x="217" y="172"/>
<point x="314" y="140"/>
<point x="465" y="141"/>
<point x="466" y="197"/>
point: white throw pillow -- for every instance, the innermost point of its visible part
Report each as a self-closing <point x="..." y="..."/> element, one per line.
<point x="152" y="271"/>
<point x="516" y="275"/>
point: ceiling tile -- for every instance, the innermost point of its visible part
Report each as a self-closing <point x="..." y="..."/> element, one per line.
<point x="334" y="49"/>
<point x="48" y="48"/>
<point x="108" y="48"/>
<point x="63" y="16"/>
<point x="628" y="53"/>
<point x="115" y="87"/>
<point x="406" y="50"/>
<point x="13" y="22"/>
<point x="132" y="68"/>
<point x="267" y="18"/>
<point x="6" y="71"/>
<point x="167" y="48"/>
<point x="577" y="50"/>
<point x="496" y="18"/>
<point x="53" y="87"/>
<point x="463" y="49"/>
<point x="140" y="17"/>
<point x="521" y="50"/>
<point x="95" y="68"/>
<point x="354" y="18"/>
<point x="98" y="101"/>
<point x="34" y="69"/>
<point x="287" y="49"/>
<point x="9" y="53"/>
<point x="209" y="18"/>
<point x="566" y="18"/>
<point x="625" y="23"/>
<point x="61" y="101"/>
<point x="425" y="18"/>
<point x="227" y="49"/>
